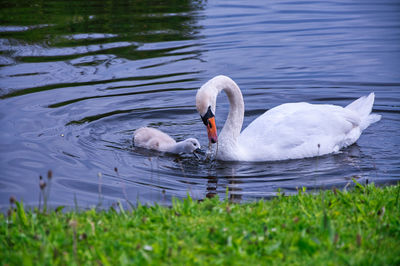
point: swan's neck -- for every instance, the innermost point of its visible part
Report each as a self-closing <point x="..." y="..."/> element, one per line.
<point x="230" y="133"/>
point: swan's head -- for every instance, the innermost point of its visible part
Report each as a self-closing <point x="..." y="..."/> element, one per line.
<point x="206" y="99"/>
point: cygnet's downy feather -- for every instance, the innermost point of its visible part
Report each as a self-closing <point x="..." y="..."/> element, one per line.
<point x="154" y="139"/>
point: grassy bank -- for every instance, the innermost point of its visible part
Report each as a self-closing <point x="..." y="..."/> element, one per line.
<point x="332" y="227"/>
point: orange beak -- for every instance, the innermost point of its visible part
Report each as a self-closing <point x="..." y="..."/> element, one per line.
<point x="212" y="130"/>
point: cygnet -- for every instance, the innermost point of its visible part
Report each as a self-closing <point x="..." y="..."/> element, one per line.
<point x="154" y="139"/>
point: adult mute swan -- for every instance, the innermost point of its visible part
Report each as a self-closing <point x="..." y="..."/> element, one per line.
<point x="288" y="131"/>
<point x="154" y="139"/>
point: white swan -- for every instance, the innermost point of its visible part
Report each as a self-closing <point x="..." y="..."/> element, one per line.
<point x="154" y="139"/>
<point x="288" y="131"/>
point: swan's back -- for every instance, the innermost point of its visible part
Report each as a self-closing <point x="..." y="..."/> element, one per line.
<point x="151" y="138"/>
<point x="299" y="130"/>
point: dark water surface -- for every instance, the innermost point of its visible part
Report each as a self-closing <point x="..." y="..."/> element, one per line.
<point x="78" y="77"/>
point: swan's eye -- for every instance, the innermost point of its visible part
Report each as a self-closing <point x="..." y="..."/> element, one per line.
<point x="195" y="144"/>
<point x="208" y="115"/>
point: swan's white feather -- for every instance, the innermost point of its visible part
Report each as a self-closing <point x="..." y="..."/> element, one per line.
<point x="288" y="131"/>
<point x="298" y="130"/>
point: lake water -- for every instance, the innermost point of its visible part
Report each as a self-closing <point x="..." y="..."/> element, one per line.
<point x="78" y="77"/>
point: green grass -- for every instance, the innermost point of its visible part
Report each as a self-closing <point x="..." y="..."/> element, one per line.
<point x="359" y="227"/>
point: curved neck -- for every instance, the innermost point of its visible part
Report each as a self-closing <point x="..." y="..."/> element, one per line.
<point x="233" y="124"/>
<point x="177" y="148"/>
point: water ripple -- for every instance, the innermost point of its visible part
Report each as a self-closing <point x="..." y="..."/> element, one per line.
<point x="76" y="84"/>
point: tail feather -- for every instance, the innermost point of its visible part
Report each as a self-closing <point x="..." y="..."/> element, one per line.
<point x="363" y="107"/>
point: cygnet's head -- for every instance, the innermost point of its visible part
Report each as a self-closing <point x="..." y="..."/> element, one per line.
<point x="191" y="145"/>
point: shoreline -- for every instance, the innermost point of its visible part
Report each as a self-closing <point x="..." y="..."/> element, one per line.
<point x="359" y="226"/>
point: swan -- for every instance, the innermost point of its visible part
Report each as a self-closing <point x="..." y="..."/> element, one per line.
<point x="154" y="139"/>
<point x="288" y="131"/>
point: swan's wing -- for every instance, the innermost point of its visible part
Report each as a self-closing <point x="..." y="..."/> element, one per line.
<point x="300" y="130"/>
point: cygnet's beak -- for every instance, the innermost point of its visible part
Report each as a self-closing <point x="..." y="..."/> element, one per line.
<point x="212" y="130"/>
<point x="196" y="153"/>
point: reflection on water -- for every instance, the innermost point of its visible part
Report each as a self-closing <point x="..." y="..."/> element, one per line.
<point x="77" y="78"/>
